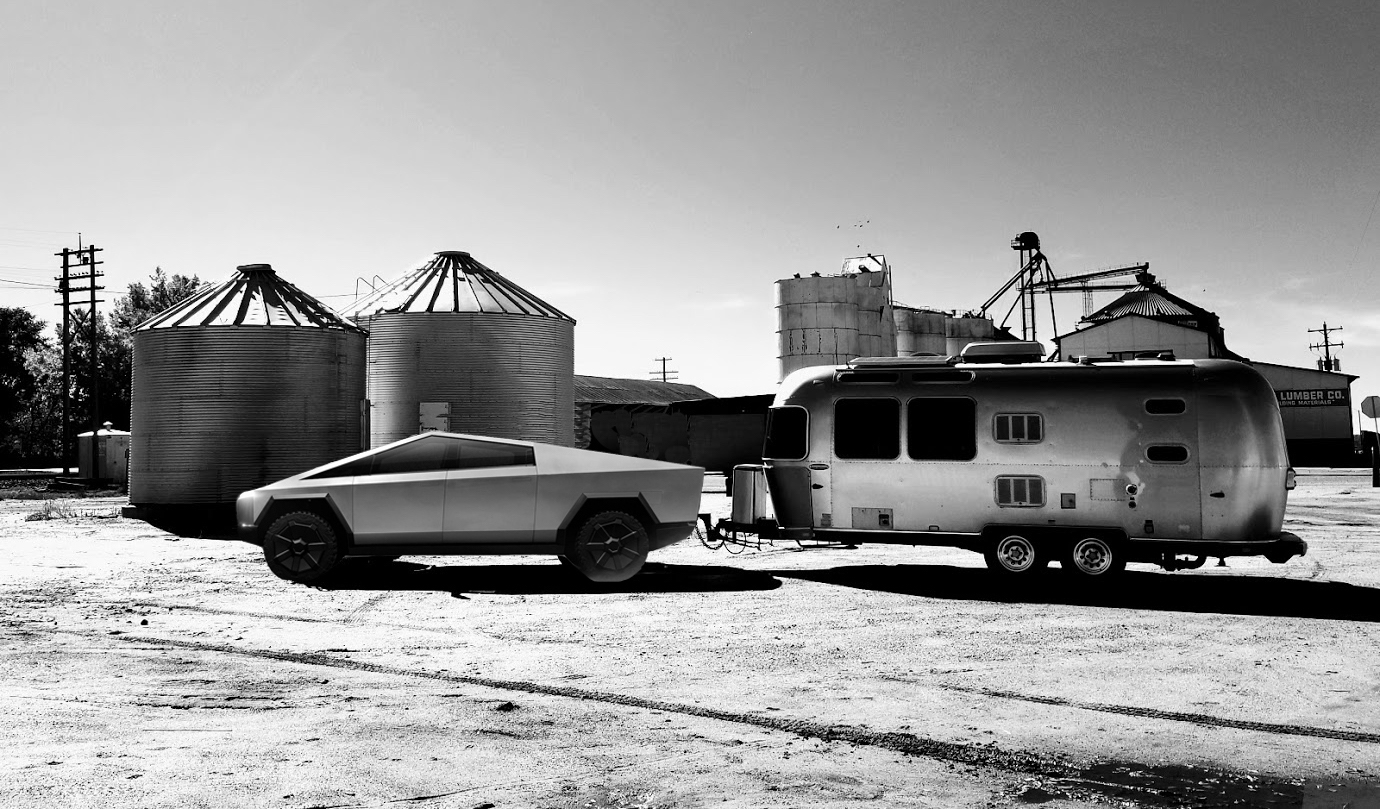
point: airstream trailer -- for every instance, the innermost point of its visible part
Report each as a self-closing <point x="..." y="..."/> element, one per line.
<point x="1091" y="463"/>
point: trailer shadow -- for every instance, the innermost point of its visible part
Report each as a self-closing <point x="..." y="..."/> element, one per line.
<point x="461" y="580"/>
<point x="1178" y="592"/>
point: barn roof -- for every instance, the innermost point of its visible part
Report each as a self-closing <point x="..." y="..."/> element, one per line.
<point x="610" y="390"/>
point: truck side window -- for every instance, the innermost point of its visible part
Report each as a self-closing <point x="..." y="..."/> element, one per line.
<point x="788" y="434"/>
<point x="430" y="454"/>
<point x="941" y="429"/>
<point x="483" y="454"/>
<point x="867" y="428"/>
<point x="1018" y="428"/>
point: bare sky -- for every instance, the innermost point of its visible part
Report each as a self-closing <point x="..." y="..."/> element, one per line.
<point x="652" y="168"/>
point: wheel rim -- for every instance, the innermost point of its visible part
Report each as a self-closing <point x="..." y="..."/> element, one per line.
<point x="298" y="547"/>
<point x="611" y="545"/>
<point x="1016" y="554"/>
<point x="1092" y="556"/>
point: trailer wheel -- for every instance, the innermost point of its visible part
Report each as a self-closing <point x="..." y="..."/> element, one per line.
<point x="301" y="546"/>
<point x="1014" y="554"/>
<point x="610" y="547"/>
<point x="1095" y="557"/>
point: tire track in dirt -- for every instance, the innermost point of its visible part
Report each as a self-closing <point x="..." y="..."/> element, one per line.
<point x="1151" y="785"/>
<point x="1205" y="720"/>
<point x="1176" y="716"/>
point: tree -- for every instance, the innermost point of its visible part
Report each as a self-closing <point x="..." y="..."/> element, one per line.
<point x="21" y="337"/>
<point x="142" y="303"/>
<point x="36" y="425"/>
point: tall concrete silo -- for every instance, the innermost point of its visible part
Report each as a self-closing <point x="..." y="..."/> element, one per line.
<point x="920" y="331"/>
<point x="969" y="328"/>
<point x="455" y="345"/>
<point x="831" y="319"/>
<point x="246" y="382"/>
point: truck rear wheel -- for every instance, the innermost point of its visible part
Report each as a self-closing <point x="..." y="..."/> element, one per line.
<point x="609" y="547"/>
<point x="1014" y="553"/>
<point x="1095" y="557"/>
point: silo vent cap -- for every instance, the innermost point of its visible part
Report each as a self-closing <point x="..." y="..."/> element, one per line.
<point x="268" y="268"/>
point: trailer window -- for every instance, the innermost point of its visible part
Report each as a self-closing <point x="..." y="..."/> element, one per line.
<point x="1166" y="453"/>
<point x="788" y="434"/>
<point x="941" y="429"/>
<point x="1020" y="491"/>
<point x="1018" y="428"/>
<point x="867" y="428"/>
<point x="1165" y="407"/>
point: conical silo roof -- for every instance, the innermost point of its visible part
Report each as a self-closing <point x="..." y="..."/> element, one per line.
<point x="453" y="281"/>
<point x="254" y="296"/>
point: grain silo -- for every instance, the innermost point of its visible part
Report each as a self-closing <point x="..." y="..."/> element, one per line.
<point x="243" y="383"/>
<point x="453" y="345"/>
<point x="920" y="331"/>
<point x="831" y="319"/>
<point x="970" y="328"/>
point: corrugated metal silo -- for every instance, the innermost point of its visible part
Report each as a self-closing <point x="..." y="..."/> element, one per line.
<point x="243" y="383"/>
<point x="920" y="331"/>
<point x="831" y="319"/>
<point x="454" y="345"/>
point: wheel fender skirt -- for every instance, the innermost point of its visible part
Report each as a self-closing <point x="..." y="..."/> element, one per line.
<point x="669" y="533"/>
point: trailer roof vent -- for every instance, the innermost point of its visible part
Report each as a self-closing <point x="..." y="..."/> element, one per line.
<point x="913" y="361"/>
<point x="1006" y="351"/>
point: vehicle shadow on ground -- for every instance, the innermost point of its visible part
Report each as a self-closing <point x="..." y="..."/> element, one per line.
<point x="459" y="580"/>
<point x="1179" y="592"/>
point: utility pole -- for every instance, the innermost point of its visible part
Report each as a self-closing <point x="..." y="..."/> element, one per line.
<point x="85" y="258"/>
<point x="665" y="375"/>
<point x="1327" y="363"/>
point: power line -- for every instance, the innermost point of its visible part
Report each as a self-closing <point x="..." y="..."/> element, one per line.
<point x="32" y="230"/>
<point x="25" y="283"/>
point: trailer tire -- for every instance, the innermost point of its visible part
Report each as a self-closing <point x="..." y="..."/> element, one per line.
<point x="1014" y="554"/>
<point x="1095" y="557"/>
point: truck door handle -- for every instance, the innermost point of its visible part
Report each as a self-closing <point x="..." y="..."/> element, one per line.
<point x="816" y="485"/>
<point x="1218" y="494"/>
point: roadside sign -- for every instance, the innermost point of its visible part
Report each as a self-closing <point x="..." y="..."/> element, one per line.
<point x="1370" y="406"/>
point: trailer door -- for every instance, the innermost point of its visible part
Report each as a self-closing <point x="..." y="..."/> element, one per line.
<point x="1166" y="484"/>
<point x="858" y="489"/>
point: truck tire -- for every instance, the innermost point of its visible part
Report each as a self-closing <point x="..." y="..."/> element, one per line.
<point x="609" y="547"/>
<point x="301" y="546"/>
<point x="1094" y="557"/>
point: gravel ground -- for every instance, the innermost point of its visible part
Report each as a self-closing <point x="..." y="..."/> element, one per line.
<point x="144" y="669"/>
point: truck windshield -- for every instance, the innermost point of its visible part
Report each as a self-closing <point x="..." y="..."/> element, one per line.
<point x="788" y="434"/>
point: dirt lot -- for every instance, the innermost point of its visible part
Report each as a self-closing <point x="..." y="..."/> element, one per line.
<point x="143" y="669"/>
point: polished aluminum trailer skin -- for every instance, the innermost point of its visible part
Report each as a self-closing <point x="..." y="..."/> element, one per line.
<point x="1091" y="463"/>
<point x="473" y="495"/>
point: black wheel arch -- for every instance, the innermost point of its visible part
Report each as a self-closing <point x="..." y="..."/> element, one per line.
<point x="589" y="506"/>
<point x="323" y="506"/>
